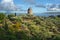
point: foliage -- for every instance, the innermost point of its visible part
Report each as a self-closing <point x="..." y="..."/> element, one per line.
<point x="2" y="15"/>
<point x="30" y="27"/>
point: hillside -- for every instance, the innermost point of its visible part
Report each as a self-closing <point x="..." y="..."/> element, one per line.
<point x="29" y="27"/>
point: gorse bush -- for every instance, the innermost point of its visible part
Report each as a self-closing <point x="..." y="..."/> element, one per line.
<point x="30" y="27"/>
<point x="2" y="15"/>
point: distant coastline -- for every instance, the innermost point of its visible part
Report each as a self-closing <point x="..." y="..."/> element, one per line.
<point x="54" y="13"/>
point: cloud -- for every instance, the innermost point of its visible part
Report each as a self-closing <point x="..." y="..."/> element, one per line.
<point x="30" y="1"/>
<point x="49" y="6"/>
<point x="8" y="5"/>
<point x="40" y="6"/>
<point x="53" y="7"/>
<point x="7" y="1"/>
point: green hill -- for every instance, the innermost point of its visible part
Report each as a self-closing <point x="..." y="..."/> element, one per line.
<point x="29" y="27"/>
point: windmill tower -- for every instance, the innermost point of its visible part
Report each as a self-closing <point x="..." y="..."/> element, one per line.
<point x="30" y="11"/>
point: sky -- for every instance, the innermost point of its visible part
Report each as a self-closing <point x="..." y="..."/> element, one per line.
<point x="38" y="6"/>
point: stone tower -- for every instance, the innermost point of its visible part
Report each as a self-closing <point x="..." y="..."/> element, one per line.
<point x="30" y="11"/>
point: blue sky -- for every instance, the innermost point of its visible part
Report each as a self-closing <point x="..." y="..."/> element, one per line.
<point x="38" y="6"/>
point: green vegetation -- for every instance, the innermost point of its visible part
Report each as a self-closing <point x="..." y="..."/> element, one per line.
<point x="29" y="27"/>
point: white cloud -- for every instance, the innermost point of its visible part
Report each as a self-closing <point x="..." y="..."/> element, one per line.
<point x="50" y="6"/>
<point x="53" y="7"/>
<point x="7" y="0"/>
<point x="8" y="5"/>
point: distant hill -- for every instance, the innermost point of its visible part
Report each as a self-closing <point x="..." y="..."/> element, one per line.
<point x="53" y="12"/>
<point x="47" y="14"/>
